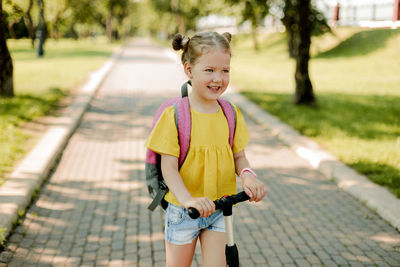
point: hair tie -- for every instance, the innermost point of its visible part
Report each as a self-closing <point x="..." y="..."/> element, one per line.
<point x="185" y="42"/>
<point x="227" y="36"/>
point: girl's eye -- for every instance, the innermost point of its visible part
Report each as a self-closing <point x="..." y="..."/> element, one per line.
<point x="209" y="70"/>
<point x="226" y="71"/>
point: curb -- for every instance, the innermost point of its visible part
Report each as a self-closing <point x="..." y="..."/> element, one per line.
<point x="19" y="189"/>
<point x="376" y="197"/>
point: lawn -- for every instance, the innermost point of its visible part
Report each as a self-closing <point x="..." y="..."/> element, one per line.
<point x="40" y="84"/>
<point x="355" y="76"/>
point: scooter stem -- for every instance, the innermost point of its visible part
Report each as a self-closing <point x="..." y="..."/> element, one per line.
<point x="229" y="231"/>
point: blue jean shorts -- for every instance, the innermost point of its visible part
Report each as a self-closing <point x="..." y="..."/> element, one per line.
<point x="180" y="229"/>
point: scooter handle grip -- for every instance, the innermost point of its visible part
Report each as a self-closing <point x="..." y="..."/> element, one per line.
<point x="221" y="203"/>
<point x="193" y="213"/>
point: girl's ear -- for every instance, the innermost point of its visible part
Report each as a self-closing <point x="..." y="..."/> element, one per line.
<point x="188" y="69"/>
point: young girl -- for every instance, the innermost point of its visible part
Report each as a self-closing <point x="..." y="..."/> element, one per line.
<point x="208" y="172"/>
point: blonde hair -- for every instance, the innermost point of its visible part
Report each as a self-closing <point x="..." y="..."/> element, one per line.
<point x="196" y="46"/>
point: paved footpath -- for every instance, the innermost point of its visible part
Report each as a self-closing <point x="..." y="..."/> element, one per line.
<point x="92" y="209"/>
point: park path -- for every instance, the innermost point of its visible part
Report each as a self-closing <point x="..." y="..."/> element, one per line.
<point x="92" y="209"/>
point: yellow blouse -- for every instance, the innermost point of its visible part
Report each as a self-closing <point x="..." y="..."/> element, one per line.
<point x="209" y="168"/>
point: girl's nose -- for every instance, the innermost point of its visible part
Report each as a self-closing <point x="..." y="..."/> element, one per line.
<point x="217" y="77"/>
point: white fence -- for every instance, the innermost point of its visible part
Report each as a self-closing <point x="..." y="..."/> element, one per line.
<point x="379" y="13"/>
<point x="353" y="15"/>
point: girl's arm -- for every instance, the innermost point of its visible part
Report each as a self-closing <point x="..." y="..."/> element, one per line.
<point x="169" y="168"/>
<point x="253" y="187"/>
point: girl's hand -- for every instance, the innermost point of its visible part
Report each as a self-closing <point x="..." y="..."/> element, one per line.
<point x="253" y="187"/>
<point x="203" y="204"/>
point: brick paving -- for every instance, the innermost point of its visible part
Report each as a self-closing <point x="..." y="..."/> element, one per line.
<point x="92" y="209"/>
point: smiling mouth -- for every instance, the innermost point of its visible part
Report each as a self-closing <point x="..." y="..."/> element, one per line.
<point x="214" y="88"/>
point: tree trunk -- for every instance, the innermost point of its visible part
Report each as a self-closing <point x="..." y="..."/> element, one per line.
<point x="304" y="91"/>
<point x="254" y="35"/>
<point x="29" y="23"/>
<point x="72" y="32"/>
<point x="6" y="65"/>
<point x="291" y="45"/>
<point x="109" y="27"/>
<point x="11" y="30"/>
<point x="41" y="32"/>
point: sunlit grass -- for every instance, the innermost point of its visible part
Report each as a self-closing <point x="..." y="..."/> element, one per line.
<point x="65" y="65"/>
<point x="355" y="76"/>
<point x="368" y="69"/>
<point x="40" y="83"/>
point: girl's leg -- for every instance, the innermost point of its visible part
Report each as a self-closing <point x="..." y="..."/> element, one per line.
<point x="213" y="248"/>
<point x="179" y="255"/>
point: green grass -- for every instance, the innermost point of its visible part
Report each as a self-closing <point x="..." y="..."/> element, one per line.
<point x="355" y="77"/>
<point x="40" y="83"/>
<point x="2" y="238"/>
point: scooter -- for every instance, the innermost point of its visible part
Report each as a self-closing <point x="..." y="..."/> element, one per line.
<point x="225" y="204"/>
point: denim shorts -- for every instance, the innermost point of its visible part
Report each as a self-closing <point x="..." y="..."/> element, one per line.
<point x="180" y="229"/>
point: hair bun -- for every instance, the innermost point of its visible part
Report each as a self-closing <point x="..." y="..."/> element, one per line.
<point x="180" y="42"/>
<point x="177" y="42"/>
<point x="227" y="36"/>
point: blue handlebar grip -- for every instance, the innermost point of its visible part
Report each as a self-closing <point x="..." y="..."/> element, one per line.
<point x="193" y="213"/>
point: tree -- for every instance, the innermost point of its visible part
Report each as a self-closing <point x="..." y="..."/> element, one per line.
<point x="319" y="23"/>
<point x="14" y="10"/>
<point x="41" y="32"/>
<point x="289" y="20"/>
<point x="301" y="44"/>
<point x="55" y="11"/>
<point x="84" y="12"/>
<point x="29" y="23"/>
<point x="6" y="65"/>
<point x="254" y="11"/>
<point x="114" y="11"/>
<point x="185" y="13"/>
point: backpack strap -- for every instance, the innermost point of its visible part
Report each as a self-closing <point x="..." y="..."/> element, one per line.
<point x="159" y="196"/>
<point x="184" y="127"/>
<point x="151" y="156"/>
<point x="184" y="89"/>
<point x="230" y="115"/>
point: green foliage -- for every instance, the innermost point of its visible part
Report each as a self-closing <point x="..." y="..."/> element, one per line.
<point x="361" y="43"/>
<point x="18" y="220"/>
<point x="182" y="14"/>
<point x="361" y="130"/>
<point x="39" y="85"/>
<point x="2" y="237"/>
<point x="13" y="12"/>
<point x="290" y="19"/>
<point x="357" y="118"/>
<point x="75" y="18"/>
<point x="15" y="9"/>
<point x="16" y="111"/>
<point x="35" y="106"/>
<point x="319" y="21"/>
<point x="252" y="10"/>
<point x="338" y="74"/>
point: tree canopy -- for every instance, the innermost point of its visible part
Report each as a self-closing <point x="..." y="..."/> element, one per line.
<point x="120" y="18"/>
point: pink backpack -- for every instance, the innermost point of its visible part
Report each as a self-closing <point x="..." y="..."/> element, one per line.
<point x="154" y="179"/>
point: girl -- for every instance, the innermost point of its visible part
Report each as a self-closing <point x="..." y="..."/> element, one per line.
<point x="209" y="170"/>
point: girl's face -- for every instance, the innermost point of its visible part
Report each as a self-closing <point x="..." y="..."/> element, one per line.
<point x="209" y="74"/>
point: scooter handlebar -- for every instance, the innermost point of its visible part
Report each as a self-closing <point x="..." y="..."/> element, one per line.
<point x="193" y="213"/>
<point x="221" y="203"/>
